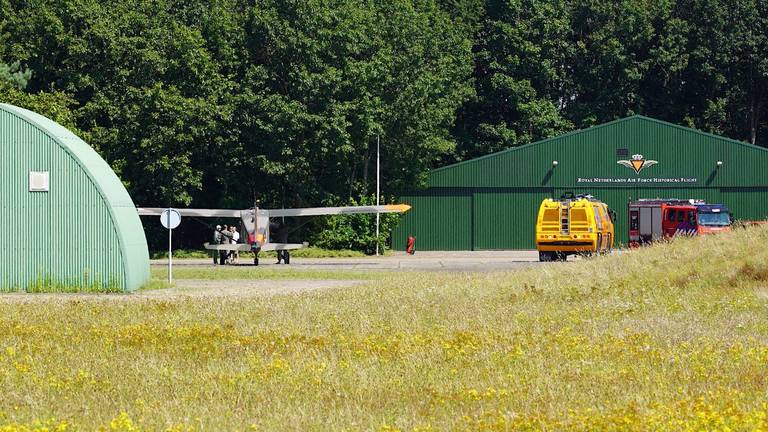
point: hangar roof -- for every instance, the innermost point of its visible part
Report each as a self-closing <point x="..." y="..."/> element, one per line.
<point x="674" y="156"/>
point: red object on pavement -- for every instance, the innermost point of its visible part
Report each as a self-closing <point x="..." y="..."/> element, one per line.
<point x="411" y="246"/>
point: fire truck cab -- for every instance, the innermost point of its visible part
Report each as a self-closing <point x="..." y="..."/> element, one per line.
<point x="713" y="218"/>
<point x="656" y="219"/>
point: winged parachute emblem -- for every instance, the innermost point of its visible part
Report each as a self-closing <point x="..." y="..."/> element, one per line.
<point x="637" y="163"/>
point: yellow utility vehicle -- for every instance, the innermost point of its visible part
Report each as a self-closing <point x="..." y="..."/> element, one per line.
<point x="572" y="225"/>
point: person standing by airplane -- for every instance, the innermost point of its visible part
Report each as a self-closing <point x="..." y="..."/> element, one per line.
<point x="216" y="240"/>
<point x="226" y="236"/>
<point x="235" y="240"/>
<point x="279" y="231"/>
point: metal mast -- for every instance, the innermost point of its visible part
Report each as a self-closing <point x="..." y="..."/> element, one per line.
<point x="378" y="188"/>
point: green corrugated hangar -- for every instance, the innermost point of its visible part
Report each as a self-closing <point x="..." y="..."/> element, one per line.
<point x="490" y="203"/>
<point x="69" y="223"/>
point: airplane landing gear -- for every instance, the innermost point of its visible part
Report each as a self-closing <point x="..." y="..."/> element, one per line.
<point x="284" y="256"/>
<point x="256" y="251"/>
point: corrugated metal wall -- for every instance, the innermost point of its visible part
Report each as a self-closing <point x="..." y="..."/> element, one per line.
<point x="506" y="188"/>
<point x="443" y="220"/>
<point x="504" y="217"/>
<point x="590" y="153"/>
<point x="66" y="237"/>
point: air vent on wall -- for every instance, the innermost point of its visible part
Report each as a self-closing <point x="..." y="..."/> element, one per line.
<point x="622" y="152"/>
<point x="38" y="181"/>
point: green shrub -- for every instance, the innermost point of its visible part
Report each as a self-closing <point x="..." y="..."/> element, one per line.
<point x="354" y="232"/>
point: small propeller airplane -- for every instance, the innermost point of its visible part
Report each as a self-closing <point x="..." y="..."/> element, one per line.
<point x="256" y="223"/>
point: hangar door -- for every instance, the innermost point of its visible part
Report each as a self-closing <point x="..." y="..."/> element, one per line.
<point x="440" y="219"/>
<point x="506" y="218"/>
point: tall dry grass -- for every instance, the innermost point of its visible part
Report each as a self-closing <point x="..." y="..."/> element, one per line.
<point x="672" y="337"/>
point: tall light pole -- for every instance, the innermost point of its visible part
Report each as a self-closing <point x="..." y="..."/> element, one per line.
<point x="378" y="188"/>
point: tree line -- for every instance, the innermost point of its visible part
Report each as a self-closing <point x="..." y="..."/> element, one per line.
<point x="217" y="103"/>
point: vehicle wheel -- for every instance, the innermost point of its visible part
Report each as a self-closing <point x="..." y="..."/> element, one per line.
<point x="560" y="256"/>
<point x="546" y="256"/>
<point x="287" y="257"/>
<point x="255" y="261"/>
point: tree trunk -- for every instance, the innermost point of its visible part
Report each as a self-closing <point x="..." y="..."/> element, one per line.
<point x="366" y="162"/>
<point x="352" y="176"/>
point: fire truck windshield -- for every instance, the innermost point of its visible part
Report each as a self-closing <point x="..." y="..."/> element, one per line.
<point x="714" y="219"/>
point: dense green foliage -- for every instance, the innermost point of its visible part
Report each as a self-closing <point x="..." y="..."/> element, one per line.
<point x="354" y="232"/>
<point x="213" y="103"/>
<point x="12" y="76"/>
<point x="216" y="103"/>
<point x="548" y="66"/>
<point x="54" y="105"/>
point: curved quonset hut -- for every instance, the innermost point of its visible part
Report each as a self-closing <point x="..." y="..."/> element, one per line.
<point x="67" y="220"/>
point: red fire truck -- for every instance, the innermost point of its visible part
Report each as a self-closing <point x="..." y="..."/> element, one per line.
<point x="654" y="219"/>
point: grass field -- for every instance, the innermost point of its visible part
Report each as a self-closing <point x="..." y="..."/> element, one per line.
<point x="673" y="337"/>
<point x="160" y="273"/>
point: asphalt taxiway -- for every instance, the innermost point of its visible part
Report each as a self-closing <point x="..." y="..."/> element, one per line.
<point x="421" y="261"/>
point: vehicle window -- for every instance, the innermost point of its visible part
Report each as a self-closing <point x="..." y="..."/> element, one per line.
<point x="550" y="215"/>
<point x="633" y="223"/>
<point x="598" y="218"/>
<point x="714" y="219"/>
<point x="680" y="216"/>
<point x="692" y="217"/>
<point x="606" y="213"/>
<point x="578" y="215"/>
<point x="671" y="215"/>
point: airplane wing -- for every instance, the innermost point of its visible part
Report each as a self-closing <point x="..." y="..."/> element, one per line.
<point x="282" y="246"/>
<point x="190" y="212"/>
<point x="228" y="247"/>
<point x="312" y="211"/>
<point x="319" y="211"/>
<point x="247" y="248"/>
